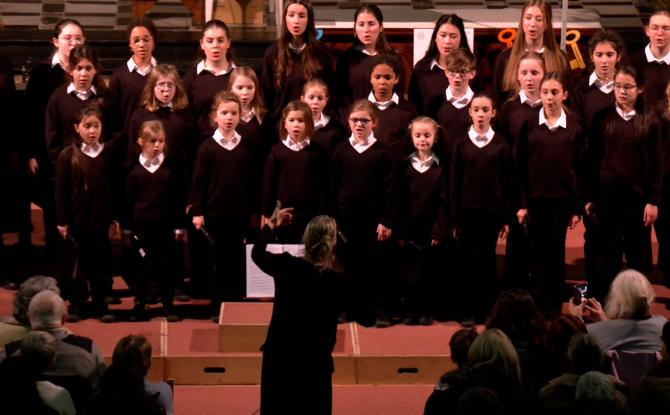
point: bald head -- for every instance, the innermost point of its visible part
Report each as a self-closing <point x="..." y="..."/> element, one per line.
<point x="46" y="311"/>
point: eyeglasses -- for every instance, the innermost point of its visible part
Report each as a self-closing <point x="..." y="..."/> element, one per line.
<point x="625" y="87"/>
<point x="661" y="28"/>
<point x="461" y="74"/>
<point x="165" y="85"/>
<point x="362" y="121"/>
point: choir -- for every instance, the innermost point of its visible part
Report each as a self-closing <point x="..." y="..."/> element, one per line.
<point x="422" y="181"/>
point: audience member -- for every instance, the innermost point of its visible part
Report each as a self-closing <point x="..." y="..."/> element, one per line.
<point x="652" y="395"/>
<point x="18" y="390"/>
<point x="555" y="345"/>
<point x="121" y="391"/>
<point x="516" y="314"/>
<point x="40" y="348"/>
<point x="492" y="363"/>
<point x="596" y="394"/>
<point x="15" y="327"/>
<point x="626" y="323"/>
<point x="134" y="353"/>
<point x="479" y="401"/>
<point x="459" y="345"/>
<point x="584" y="355"/>
<point x="78" y="364"/>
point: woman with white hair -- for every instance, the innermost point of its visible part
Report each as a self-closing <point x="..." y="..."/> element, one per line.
<point x="626" y="322"/>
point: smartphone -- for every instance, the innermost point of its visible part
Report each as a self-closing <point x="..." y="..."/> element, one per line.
<point x="581" y="292"/>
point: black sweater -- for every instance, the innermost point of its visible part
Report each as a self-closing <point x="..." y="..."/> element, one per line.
<point x="426" y="84"/>
<point x="423" y="203"/>
<point x="352" y="77"/>
<point x="550" y="163"/>
<point x="304" y="297"/>
<point x="455" y="121"/>
<point x="85" y="202"/>
<point x="125" y="89"/>
<point x="587" y="101"/>
<point x="392" y="128"/>
<point x="296" y="178"/>
<point x="481" y="178"/>
<point x="225" y="182"/>
<point x="44" y="80"/>
<point x="277" y="98"/>
<point x="327" y="138"/>
<point x="656" y="76"/>
<point x="200" y="90"/>
<point x="621" y="164"/>
<point x="363" y="185"/>
<point x="511" y="117"/>
<point x="155" y="200"/>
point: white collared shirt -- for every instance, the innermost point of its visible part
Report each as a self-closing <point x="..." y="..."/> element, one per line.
<point x="651" y="58"/>
<point x="360" y="48"/>
<point x="295" y="146"/>
<point x="82" y="95"/>
<point x="435" y="63"/>
<point x="152" y="164"/>
<point x="562" y="121"/>
<point x="364" y="145"/>
<point x="480" y="140"/>
<point x="605" y="86"/>
<point x="92" y="150"/>
<point x="383" y="105"/>
<point x="201" y="67"/>
<point x="423" y="165"/>
<point x="249" y="116"/>
<point x="625" y="115"/>
<point x="462" y="101"/>
<point x="228" y="144"/>
<point x="525" y="100"/>
<point x="322" y="121"/>
<point x="55" y="60"/>
<point x="132" y="66"/>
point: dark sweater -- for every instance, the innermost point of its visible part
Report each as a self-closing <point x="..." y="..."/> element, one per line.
<point x="85" y="203"/>
<point x="61" y="115"/>
<point x="656" y="76"/>
<point x="511" y="117"/>
<point x="43" y="81"/>
<point x="303" y="296"/>
<point x="481" y="178"/>
<point x="363" y="185"/>
<point x="392" y="128"/>
<point x="550" y="162"/>
<point x="352" y="77"/>
<point x="455" y="121"/>
<point x="225" y="182"/>
<point x="125" y="89"/>
<point x="262" y="134"/>
<point x="154" y="200"/>
<point x="276" y="98"/>
<point x="423" y="203"/>
<point x="426" y="84"/>
<point x="587" y="101"/>
<point x="200" y="90"/>
<point x="328" y="137"/>
<point x="296" y="178"/>
<point x="622" y="165"/>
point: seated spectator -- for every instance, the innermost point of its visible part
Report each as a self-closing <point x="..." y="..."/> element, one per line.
<point x="78" y="364"/>
<point x="596" y="394"/>
<point x="479" y="401"/>
<point x="516" y="314"/>
<point x="626" y="323"/>
<point x="652" y="395"/>
<point x="459" y="344"/>
<point x="18" y="390"/>
<point x="492" y="363"/>
<point x="584" y="355"/>
<point x="121" y="391"/>
<point x="40" y="348"/>
<point x="15" y="327"/>
<point x="555" y="345"/>
<point x="134" y="353"/>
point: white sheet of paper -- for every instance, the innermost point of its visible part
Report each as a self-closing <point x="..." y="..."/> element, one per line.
<point x="260" y="284"/>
